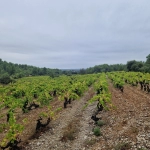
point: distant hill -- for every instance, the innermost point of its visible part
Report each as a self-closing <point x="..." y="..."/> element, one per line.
<point x="10" y="71"/>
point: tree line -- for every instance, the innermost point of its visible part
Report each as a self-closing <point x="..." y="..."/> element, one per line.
<point x="133" y="65"/>
<point x="10" y="71"/>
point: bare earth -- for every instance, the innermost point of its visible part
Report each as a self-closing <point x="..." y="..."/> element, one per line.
<point x="127" y="124"/>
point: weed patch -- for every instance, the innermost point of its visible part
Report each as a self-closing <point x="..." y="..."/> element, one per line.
<point x="89" y="142"/>
<point x="122" y="146"/>
<point x="100" y="123"/>
<point x="97" y="131"/>
<point x="70" y="131"/>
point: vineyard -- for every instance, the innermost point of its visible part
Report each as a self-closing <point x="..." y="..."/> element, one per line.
<point x="105" y="111"/>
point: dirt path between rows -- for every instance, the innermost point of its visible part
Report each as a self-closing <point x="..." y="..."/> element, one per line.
<point x="127" y="124"/>
<point x="71" y="130"/>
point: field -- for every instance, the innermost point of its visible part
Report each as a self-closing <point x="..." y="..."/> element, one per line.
<point x="123" y="123"/>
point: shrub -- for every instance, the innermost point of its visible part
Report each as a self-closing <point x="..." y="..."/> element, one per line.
<point x="100" y="123"/>
<point x="97" y="131"/>
<point x="5" y="79"/>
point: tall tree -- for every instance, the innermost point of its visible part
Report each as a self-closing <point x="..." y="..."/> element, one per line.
<point x="148" y="60"/>
<point x="130" y="64"/>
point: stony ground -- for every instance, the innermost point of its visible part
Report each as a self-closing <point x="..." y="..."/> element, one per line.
<point x="72" y="130"/>
<point x="127" y="125"/>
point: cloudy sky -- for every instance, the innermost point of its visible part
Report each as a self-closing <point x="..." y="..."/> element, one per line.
<point x="74" y="33"/>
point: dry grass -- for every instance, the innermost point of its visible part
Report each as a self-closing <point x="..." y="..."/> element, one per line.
<point x="89" y="142"/>
<point x="70" y="131"/>
<point x="134" y="130"/>
<point x="124" y="122"/>
<point x="122" y="146"/>
<point x="147" y="128"/>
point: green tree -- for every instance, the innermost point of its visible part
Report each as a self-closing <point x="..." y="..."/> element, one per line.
<point x="5" y="78"/>
<point x="148" y="60"/>
<point x="147" y="63"/>
<point x="129" y="64"/>
<point x="137" y="66"/>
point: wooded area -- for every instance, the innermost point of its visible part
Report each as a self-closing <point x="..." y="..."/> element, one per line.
<point x="9" y="71"/>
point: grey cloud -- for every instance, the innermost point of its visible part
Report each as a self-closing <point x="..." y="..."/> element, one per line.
<point x="74" y="34"/>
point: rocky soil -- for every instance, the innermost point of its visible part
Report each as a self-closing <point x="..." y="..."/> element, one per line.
<point x="72" y="130"/>
<point x="127" y="124"/>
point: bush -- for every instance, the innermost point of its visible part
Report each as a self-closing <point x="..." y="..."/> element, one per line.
<point x="5" y="79"/>
<point x="100" y="123"/>
<point x="97" y="131"/>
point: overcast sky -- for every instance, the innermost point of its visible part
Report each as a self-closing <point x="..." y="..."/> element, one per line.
<point x="70" y="34"/>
